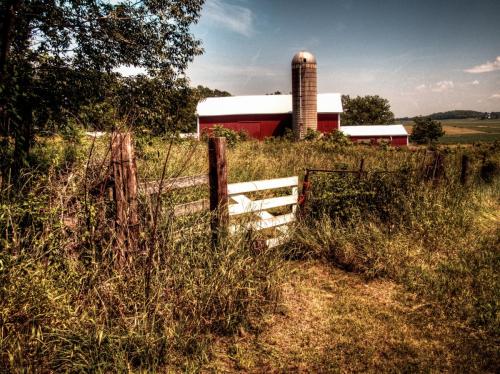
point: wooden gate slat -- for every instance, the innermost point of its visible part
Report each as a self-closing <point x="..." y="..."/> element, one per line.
<point x="191" y="208"/>
<point x="152" y="187"/>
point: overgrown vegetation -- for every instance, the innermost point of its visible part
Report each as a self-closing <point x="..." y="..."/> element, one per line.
<point x="66" y="306"/>
<point x="418" y="226"/>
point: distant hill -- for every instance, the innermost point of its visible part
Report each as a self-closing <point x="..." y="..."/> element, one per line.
<point x="458" y="114"/>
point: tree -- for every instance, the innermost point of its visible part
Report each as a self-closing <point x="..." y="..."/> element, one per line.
<point x="426" y="130"/>
<point x="366" y="110"/>
<point x="75" y="44"/>
<point x="159" y="104"/>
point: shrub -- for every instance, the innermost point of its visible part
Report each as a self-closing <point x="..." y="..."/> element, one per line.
<point x="243" y="135"/>
<point x="337" y="138"/>
<point x="232" y="137"/>
<point x="312" y="134"/>
<point x="490" y="169"/>
<point x="288" y="134"/>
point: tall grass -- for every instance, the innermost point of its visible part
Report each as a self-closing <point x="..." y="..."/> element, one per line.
<point x="438" y="238"/>
<point x="66" y="306"/>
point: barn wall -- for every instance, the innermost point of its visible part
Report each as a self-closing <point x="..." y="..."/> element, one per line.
<point x="327" y="122"/>
<point x="257" y="126"/>
<point x="394" y="140"/>
<point x="260" y="126"/>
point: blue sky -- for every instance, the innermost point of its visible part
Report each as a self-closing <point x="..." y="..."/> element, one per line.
<point x="423" y="55"/>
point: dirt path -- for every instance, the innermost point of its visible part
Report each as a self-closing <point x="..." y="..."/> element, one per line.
<point x="333" y="321"/>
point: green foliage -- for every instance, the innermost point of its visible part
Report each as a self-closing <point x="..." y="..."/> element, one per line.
<point x="490" y="170"/>
<point x="160" y="104"/>
<point x="366" y="110"/>
<point x="337" y="138"/>
<point x="59" y="57"/>
<point x="232" y="137"/>
<point x="461" y="114"/>
<point x="312" y="135"/>
<point x="426" y="131"/>
<point x="456" y="114"/>
<point x="431" y="237"/>
<point x="348" y="197"/>
<point x="288" y="135"/>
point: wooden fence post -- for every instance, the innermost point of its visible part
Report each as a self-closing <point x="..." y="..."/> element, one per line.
<point x="217" y="176"/>
<point x="464" y="172"/>
<point x="125" y="194"/>
<point x="361" y="166"/>
<point x="438" y="171"/>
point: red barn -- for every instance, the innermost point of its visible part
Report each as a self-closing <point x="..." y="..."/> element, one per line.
<point x="395" y="135"/>
<point x="263" y="115"/>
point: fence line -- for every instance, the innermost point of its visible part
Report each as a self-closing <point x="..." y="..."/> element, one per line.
<point x="152" y="187"/>
<point x="126" y="189"/>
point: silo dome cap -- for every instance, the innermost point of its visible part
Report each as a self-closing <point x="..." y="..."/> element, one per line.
<point x="302" y="57"/>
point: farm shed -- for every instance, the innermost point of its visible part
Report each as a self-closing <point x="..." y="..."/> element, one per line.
<point x="396" y="135"/>
<point x="263" y="116"/>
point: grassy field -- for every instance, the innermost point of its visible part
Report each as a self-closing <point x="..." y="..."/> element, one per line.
<point x="468" y="131"/>
<point x="388" y="272"/>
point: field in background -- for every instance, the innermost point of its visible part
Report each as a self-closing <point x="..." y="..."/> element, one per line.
<point x="461" y="131"/>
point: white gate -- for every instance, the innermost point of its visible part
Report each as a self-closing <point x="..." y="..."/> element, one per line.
<point x="244" y="205"/>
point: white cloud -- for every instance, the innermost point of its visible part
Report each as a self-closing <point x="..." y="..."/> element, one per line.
<point x="443" y="86"/>
<point x="485" y="68"/>
<point x="421" y="87"/>
<point x="236" y="18"/>
<point x="475" y="83"/>
<point x="495" y="96"/>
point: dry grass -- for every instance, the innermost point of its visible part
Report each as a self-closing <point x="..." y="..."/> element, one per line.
<point x="452" y="130"/>
<point x="64" y="306"/>
<point x="333" y="321"/>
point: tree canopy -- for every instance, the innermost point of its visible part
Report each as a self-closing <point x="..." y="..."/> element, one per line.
<point x="426" y="130"/>
<point x="58" y="56"/>
<point x="159" y="105"/>
<point x="366" y="110"/>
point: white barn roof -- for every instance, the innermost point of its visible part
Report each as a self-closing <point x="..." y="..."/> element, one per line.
<point x="262" y="104"/>
<point x="374" y="130"/>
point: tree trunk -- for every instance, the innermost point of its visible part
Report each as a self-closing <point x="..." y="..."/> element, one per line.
<point x="6" y="34"/>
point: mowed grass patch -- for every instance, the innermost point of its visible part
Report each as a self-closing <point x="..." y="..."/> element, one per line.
<point x="332" y="321"/>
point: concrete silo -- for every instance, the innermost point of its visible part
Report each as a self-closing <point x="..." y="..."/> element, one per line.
<point x="304" y="94"/>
